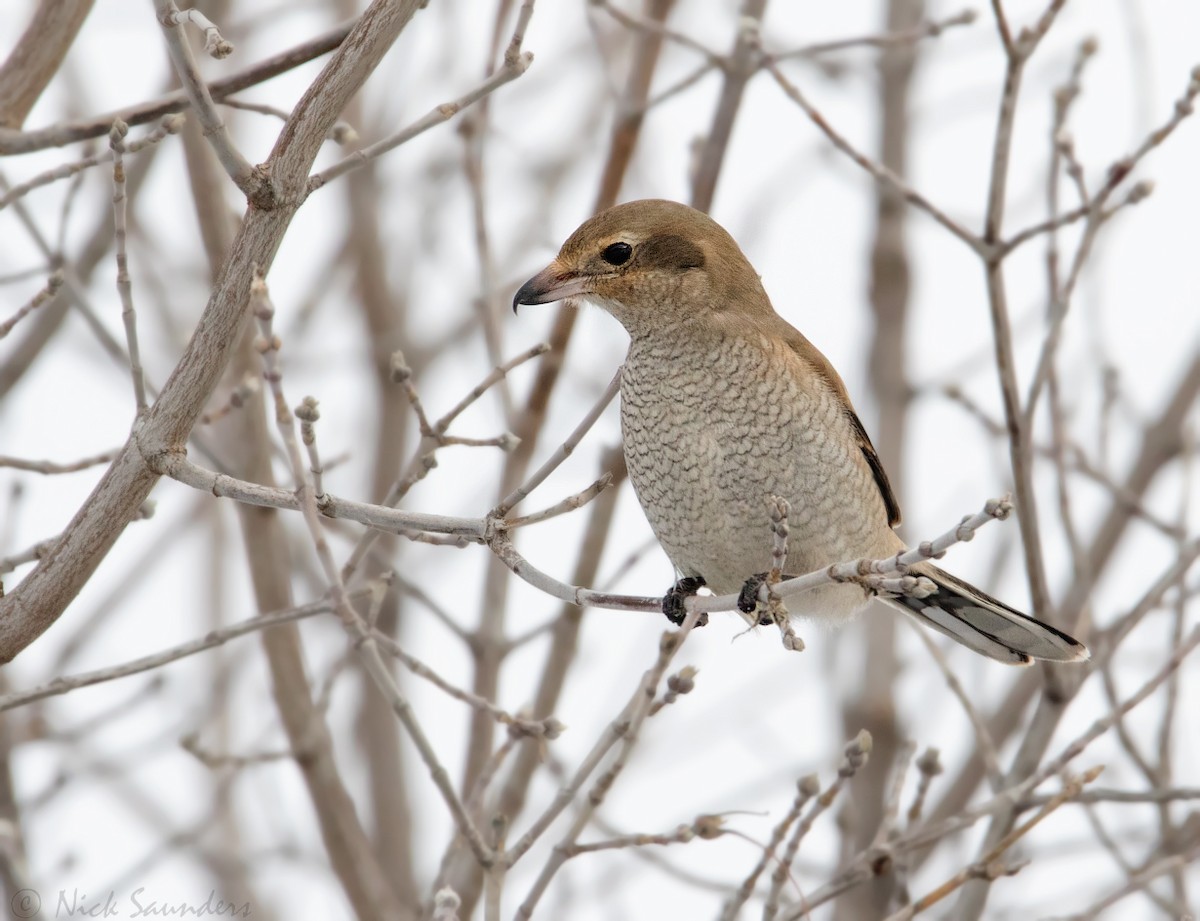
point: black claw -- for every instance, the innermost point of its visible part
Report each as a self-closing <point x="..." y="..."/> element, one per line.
<point x="673" y="600"/>
<point x="748" y="596"/>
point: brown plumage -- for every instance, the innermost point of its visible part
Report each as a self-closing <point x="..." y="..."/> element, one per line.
<point x="724" y="404"/>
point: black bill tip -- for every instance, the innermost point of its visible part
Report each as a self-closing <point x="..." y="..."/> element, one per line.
<point x="550" y="284"/>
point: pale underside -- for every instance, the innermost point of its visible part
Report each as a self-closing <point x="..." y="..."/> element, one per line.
<point x="712" y="433"/>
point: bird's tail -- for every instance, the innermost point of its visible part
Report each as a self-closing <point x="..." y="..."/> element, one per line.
<point x="990" y="627"/>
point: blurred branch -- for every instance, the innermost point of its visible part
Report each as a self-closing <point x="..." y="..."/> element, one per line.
<point x="37" y="57"/>
<point x="855" y="756"/>
<point x="210" y="640"/>
<point x="438" y="115"/>
<point x="988" y="867"/>
<point x="21" y="142"/>
<point x="871" y="704"/>
<point x="625" y="729"/>
<point x="880" y="172"/>
<point x="491" y="643"/>
<point x="740" y="66"/>
<point x="116" y="141"/>
<point x="42" y="596"/>
<point x="52" y="467"/>
<point x="907" y="35"/>
<point x="1138" y="882"/>
<point x="1095" y="217"/>
<point x="171" y="124"/>
<point x="47" y="293"/>
<point x="554" y="461"/>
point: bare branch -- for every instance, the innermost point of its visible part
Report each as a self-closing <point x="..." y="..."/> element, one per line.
<point x="171" y="124"/>
<point x="53" y="467"/>
<point x="255" y="184"/>
<point x="880" y="172"/>
<point x="516" y="63"/>
<point x="49" y="291"/>
<point x="19" y="142"/>
<point x="564" y="451"/>
<point x="364" y="642"/>
<point x="42" y="596"/>
<point x="928" y="29"/>
<point x="116" y="141"/>
<point x="37" y="57"/>
<point x="174" y="654"/>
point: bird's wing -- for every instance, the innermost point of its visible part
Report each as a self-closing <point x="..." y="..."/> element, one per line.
<point x="811" y="356"/>
<point x="881" y="478"/>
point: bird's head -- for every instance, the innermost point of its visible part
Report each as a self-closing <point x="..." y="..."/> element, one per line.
<point x="652" y="264"/>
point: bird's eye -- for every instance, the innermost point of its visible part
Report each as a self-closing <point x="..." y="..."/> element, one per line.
<point x="617" y="253"/>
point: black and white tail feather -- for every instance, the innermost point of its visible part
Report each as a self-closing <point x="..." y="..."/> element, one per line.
<point x="980" y="622"/>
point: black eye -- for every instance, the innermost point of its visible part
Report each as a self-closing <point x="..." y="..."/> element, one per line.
<point x="617" y="253"/>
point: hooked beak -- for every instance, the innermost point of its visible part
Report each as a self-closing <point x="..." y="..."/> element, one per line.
<point x="550" y="284"/>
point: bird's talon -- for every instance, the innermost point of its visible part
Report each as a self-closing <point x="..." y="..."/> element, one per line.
<point x="673" y="603"/>
<point x="748" y="596"/>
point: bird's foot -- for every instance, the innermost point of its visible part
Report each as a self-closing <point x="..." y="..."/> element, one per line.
<point x="673" y="601"/>
<point x="748" y="598"/>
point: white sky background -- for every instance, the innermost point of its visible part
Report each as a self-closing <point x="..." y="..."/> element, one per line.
<point x="759" y="717"/>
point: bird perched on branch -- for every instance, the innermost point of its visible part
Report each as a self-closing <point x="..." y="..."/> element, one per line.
<point x="724" y="405"/>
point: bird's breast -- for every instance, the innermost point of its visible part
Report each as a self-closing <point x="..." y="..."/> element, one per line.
<point x="713" y="430"/>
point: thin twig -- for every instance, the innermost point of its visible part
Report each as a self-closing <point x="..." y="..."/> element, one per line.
<point x="1096" y="215"/>
<point x="364" y="641"/>
<point x="341" y="133"/>
<point x="569" y="504"/>
<point x="625" y="728"/>
<point x="855" y="756"/>
<point x="880" y="172"/>
<point x="741" y="65"/>
<point x="1137" y="883"/>
<point x="424" y="457"/>
<point x="53" y="283"/>
<point x="116" y="140"/>
<point x="564" y="451"/>
<point x="171" y="124"/>
<point x="548" y="728"/>
<point x="255" y="184"/>
<point x="53" y="467"/>
<point x="1020" y="441"/>
<point x="806" y="788"/>
<point x="493" y="377"/>
<point x="439" y="114"/>
<point x="928" y="29"/>
<point x="985" y="745"/>
<point x="705" y="827"/>
<point x="155" y="660"/>
<point x="20" y="142"/>
<point x="988" y="866"/>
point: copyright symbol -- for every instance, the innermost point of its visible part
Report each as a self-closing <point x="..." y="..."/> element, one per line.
<point x="26" y="903"/>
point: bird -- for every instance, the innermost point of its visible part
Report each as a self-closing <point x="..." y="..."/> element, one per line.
<point x="726" y="406"/>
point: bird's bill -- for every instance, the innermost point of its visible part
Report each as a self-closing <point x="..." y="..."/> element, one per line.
<point x="550" y="284"/>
